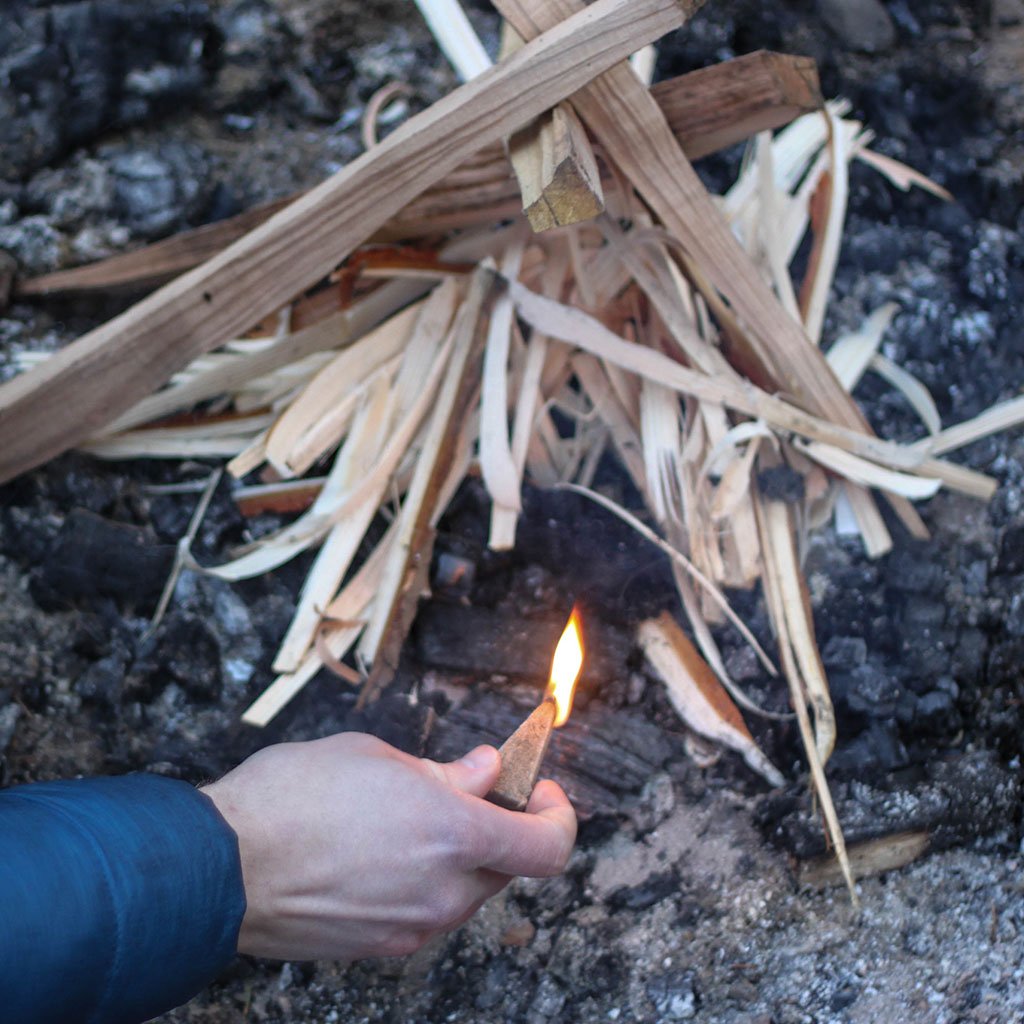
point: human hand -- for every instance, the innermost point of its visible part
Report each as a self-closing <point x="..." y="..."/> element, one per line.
<point x="351" y="848"/>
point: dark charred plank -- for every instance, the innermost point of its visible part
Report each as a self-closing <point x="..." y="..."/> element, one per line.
<point x="896" y="820"/>
<point x="483" y="642"/>
<point x="600" y="757"/>
<point x="96" y="557"/>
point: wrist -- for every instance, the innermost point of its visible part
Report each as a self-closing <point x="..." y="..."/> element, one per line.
<point x="247" y="837"/>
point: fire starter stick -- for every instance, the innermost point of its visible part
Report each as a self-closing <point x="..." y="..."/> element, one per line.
<point x="523" y="752"/>
<point x="521" y="757"/>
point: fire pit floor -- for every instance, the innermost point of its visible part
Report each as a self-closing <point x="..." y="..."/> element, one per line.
<point x="684" y="899"/>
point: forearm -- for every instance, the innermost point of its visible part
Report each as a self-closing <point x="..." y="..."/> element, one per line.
<point x="119" y="898"/>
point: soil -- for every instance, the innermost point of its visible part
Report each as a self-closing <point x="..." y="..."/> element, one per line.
<point x="682" y="901"/>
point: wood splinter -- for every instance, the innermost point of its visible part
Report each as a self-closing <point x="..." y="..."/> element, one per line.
<point x="556" y="170"/>
<point x="521" y="757"/>
<point x="553" y="163"/>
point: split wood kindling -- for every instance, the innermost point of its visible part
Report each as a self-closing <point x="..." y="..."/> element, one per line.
<point x="667" y="330"/>
<point x="68" y="398"/>
<point x="708" y="110"/>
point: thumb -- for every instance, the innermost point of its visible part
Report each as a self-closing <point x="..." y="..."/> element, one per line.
<point x="474" y="773"/>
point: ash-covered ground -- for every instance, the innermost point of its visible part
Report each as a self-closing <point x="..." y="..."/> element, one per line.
<point x="123" y="122"/>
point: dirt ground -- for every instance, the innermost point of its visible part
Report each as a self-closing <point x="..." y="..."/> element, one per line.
<point x="682" y="901"/>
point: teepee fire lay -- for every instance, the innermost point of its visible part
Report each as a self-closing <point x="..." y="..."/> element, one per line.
<point x="367" y="345"/>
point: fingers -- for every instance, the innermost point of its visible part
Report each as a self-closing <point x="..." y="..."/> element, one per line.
<point x="537" y="843"/>
<point x="475" y="773"/>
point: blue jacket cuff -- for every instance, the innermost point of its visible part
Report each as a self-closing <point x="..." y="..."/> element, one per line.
<point x="119" y="898"/>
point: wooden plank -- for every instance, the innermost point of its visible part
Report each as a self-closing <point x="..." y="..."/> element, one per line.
<point x="708" y="110"/>
<point x="715" y="107"/>
<point x="95" y="379"/>
<point x="481" y="642"/>
<point x="599" y="756"/>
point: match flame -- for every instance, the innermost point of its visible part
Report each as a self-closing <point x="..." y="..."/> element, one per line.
<point x="565" y="669"/>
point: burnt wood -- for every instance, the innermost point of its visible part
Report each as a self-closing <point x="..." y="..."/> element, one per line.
<point x="954" y="801"/>
<point x="97" y="557"/>
<point x="483" y="642"/>
<point x="601" y="757"/>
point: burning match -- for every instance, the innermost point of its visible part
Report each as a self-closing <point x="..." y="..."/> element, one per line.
<point x="523" y="752"/>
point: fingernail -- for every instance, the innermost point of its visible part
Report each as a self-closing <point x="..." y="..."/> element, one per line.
<point x="481" y="759"/>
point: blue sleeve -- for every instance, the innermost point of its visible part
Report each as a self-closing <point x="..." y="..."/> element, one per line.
<point x="119" y="899"/>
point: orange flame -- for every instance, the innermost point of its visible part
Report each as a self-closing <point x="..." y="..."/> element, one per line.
<point x="565" y="668"/>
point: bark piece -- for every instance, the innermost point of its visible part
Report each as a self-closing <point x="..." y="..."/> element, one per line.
<point x="697" y="695"/>
<point x="873" y="857"/>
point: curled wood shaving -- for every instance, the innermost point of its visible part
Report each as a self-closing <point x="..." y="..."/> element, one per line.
<point x="378" y="102"/>
<point x="697" y="695"/>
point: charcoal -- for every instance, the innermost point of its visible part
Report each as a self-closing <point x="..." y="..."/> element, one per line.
<point x="74" y="70"/>
<point x="655" y="888"/>
<point x="969" y="653"/>
<point x="909" y="572"/>
<point x="863" y="25"/>
<point x="9" y="716"/>
<point x="548" y="1001"/>
<point x="844" y="652"/>
<point x="871" y="691"/>
<point x="33" y="243"/>
<point x="844" y="997"/>
<point x="780" y="483"/>
<point x="8" y="269"/>
<point x="961" y="798"/>
<point x="1014" y="616"/>
<point x="95" y="557"/>
<point x="548" y="899"/>
<point x="936" y="712"/>
<point x="991" y="277"/>
<point x="920" y="612"/>
<point x="156" y="190"/>
<point x="103" y="681"/>
<point x="189" y="653"/>
<point x="876" y="750"/>
<point x="253" y="52"/>
<point x="674" y="995"/>
<point x="1011" y="551"/>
